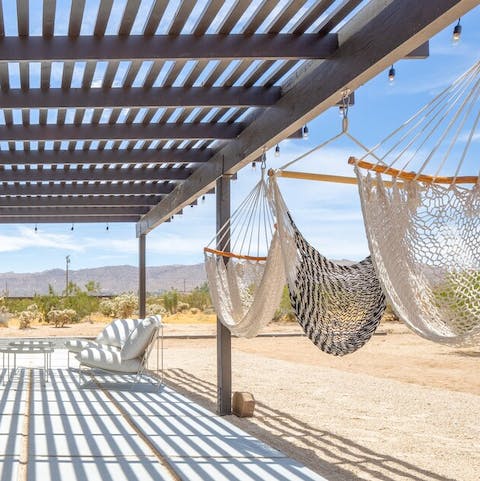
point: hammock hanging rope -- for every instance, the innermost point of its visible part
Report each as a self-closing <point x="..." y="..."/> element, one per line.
<point x="246" y="276"/>
<point x="424" y="229"/>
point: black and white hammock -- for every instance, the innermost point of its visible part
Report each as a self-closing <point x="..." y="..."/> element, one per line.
<point x="339" y="307"/>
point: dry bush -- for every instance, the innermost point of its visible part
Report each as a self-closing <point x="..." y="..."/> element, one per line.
<point x="121" y="307"/>
<point x="29" y="316"/>
<point x="155" y="309"/>
<point x="59" y="317"/>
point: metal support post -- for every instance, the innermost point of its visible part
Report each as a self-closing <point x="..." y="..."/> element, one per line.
<point x="142" y="284"/>
<point x="224" y="348"/>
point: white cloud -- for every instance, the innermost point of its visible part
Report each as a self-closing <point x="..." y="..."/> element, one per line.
<point x="26" y="237"/>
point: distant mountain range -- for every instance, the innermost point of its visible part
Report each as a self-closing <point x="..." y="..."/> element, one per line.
<point x="112" y="279"/>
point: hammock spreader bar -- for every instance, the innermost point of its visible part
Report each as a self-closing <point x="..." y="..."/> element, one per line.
<point x="383" y="169"/>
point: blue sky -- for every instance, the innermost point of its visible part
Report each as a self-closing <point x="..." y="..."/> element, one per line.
<point x="328" y="215"/>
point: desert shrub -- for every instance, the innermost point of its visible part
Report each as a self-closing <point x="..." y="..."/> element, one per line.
<point x="59" y="317"/>
<point x="170" y="301"/>
<point x="194" y="310"/>
<point x="122" y="306"/>
<point x="285" y="310"/>
<point x="106" y="307"/>
<point x="46" y="303"/>
<point x="155" y="309"/>
<point x="17" y="305"/>
<point x="458" y="295"/>
<point x="4" y="313"/>
<point x="198" y="298"/>
<point x="183" y="306"/>
<point x="30" y="315"/>
<point x="389" y="315"/>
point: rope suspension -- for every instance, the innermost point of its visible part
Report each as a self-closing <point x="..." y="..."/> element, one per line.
<point x="244" y="265"/>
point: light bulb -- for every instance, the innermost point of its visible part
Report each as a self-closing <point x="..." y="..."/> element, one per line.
<point x="254" y="164"/>
<point x="36" y="228"/>
<point x="277" y="151"/>
<point x="71" y="228"/>
<point x="305" y="132"/>
<point x="391" y="74"/>
<point x="107" y="228"/>
<point x="457" y="32"/>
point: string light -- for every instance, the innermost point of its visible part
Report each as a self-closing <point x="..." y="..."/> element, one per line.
<point x="457" y="32"/>
<point x="72" y="228"/>
<point x="107" y="228"/>
<point x="36" y="228"/>
<point x="391" y="74"/>
<point x="305" y="132"/>
<point x="254" y="164"/>
<point x="203" y="198"/>
<point x="277" y="151"/>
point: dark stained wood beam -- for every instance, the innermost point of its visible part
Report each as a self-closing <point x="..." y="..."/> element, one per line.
<point x="70" y="219"/>
<point x="70" y="211"/>
<point x="106" y="156"/>
<point x="168" y="47"/>
<point x="121" y="132"/>
<point x="95" y="174"/>
<point x="48" y="189"/>
<point x="140" y="97"/>
<point x="80" y="201"/>
<point x="379" y="35"/>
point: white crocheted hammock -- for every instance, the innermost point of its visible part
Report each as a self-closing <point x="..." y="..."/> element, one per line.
<point x="246" y="276"/>
<point x="339" y="307"/>
<point x="424" y="230"/>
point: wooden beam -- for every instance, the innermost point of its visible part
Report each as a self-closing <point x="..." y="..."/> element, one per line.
<point x="140" y="97"/>
<point x="83" y="211"/>
<point x="168" y="47"/>
<point x="170" y="131"/>
<point x="95" y="174"/>
<point x="85" y="189"/>
<point x="420" y="53"/>
<point x="88" y="201"/>
<point x="68" y="219"/>
<point x="106" y="156"/>
<point x="372" y="40"/>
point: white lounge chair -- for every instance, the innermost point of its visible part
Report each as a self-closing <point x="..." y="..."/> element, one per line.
<point x="112" y="337"/>
<point x="130" y="355"/>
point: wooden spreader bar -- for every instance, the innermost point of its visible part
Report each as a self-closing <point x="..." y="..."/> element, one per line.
<point x="472" y="179"/>
<point x="232" y="255"/>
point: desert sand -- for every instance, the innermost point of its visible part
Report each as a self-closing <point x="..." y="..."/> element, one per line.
<point x="399" y="408"/>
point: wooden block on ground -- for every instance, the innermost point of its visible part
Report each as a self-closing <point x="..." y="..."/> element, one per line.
<point x="243" y="404"/>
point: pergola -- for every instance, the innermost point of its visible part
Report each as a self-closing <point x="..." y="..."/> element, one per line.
<point x="127" y="116"/>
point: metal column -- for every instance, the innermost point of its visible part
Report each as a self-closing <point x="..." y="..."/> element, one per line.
<point x="142" y="285"/>
<point x="224" y="349"/>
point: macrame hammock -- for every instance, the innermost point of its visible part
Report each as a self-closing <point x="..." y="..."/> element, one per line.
<point x="338" y="306"/>
<point x="244" y="266"/>
<point x="424" y="230"/>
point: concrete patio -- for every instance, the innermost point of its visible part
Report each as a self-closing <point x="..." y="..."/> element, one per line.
<point x="104" y="430"/>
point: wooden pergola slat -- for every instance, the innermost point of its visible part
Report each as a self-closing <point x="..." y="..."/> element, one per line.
<point x="138" y="97"/>
<point x="121" y="131"/>
<point x="79" y="201"/>
<point x="34" y="211"/>
<point x="166" y="47"/>
<point x="125" y="189"/>
<point x="67" y="219"/>
<point x="106" y="156"/>
<point x="95" y="174"/>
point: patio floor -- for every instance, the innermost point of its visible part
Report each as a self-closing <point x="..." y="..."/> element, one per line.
<point x="103" y="430"/>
